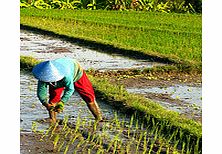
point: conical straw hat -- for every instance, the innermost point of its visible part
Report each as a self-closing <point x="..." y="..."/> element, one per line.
<point x="49" y="71"/>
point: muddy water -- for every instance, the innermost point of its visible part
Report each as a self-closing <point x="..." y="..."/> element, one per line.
<point x="31" y="110"/>
<point x="45" y="48"/>
<point x="180" y="98"/>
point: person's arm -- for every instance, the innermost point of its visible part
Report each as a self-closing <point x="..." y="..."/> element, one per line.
<point x="69" y="89"/>
<point x="42" y="92"/>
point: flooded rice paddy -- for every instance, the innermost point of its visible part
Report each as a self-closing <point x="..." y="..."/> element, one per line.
<point x="180" y="98"/>
<point x="118" y="128"/>
<point x="45" y="48"/>
<point x="31" y="109"/>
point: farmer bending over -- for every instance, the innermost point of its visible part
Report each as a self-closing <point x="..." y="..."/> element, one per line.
<point x="63" y="76"/>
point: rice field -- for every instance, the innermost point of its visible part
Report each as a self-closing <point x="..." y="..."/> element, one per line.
<point x="169" y="125"/>
<point x="177" y="37"/>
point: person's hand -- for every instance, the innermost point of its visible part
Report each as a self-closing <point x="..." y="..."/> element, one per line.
<point x="49" y="106"/>
<point x="59" y="107"/>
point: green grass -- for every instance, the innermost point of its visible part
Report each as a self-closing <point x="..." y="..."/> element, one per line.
<point x="174" y="36"/>
<point x="117" y="96"/>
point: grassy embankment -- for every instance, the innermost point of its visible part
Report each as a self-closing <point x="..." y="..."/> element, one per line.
<point x="171" y="38"/>
<point x="170" y="122"/>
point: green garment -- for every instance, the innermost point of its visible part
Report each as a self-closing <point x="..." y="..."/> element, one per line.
<point x="74" y="75"/>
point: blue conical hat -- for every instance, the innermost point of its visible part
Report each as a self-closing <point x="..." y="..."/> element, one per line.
<point x="49" y="71"/>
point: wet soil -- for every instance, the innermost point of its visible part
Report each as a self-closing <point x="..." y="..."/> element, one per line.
<point x="31" y="143"/>
<point x="63" y="138"/>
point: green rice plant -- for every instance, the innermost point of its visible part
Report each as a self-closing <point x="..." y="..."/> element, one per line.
<point x="24" y="5"/>
<point x="130" y="125"/>
<point x="171" y="137"/>
<point x="171" y="123"/>
<point x="168" y="149"/>
<point x="97" y="140"/>
<point x="175" y="144"/>
<point x="34" y="126"/>
<point x="61" y="145"/>
<point x="183" y="147"/>
<point x="113" y="142"/>
<point x="138" y="142"/>
<point x="145" y="142"/>
<point x="196" y="147"/>
<point x="188" y="138"/>
<point x="151" y="146"/>
<point x="68" y="131"/>
<point x="89" y="136"/>
<point x="100" y="151"/>
<point x="136" y="127"/>
<point x="40" y="4"/>
<point x="160" y="147"/>
<point x="66" y="148"/>
<point x="93" y="137"/>
<point x="100" y="141"/>
<point x="128" y="145"/>
<point x="54" y="129"/>
<point x="56" y="140"/>
<point x="46" y="132"/>
<point x="74" y="138"/>
<point x="171" y="36"/>
<point x="92" y="5"/>
<point x="82" y="141"/>
<point x="95" y="126"/>
<point x="115" y="146"/>
<point x="78" y="122"/>
<point x="65" y="122"/>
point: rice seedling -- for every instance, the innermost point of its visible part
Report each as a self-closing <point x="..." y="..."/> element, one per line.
<point x="144" y="142"/>
<point x="196" y="147"/>
<point x="66" y="148"/>
<point x="56" y="139"/>
<point x="160" y="147"/>
<point x="138" y="142"/>
<point x="130" y="125"/>
<point x="183" y="148"/>
<point x="65" y="122"/>
<point x="54" y="129"/>
<point x="153" y="123"/>
<point x="34" y="126"/>
<point x="151" y="146"/>
<point x="61" y="145"/>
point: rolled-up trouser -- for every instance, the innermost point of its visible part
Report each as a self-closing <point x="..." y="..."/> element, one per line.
<point x="83" y="86"/>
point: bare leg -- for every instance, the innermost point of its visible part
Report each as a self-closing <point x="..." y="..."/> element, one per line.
<point x="52" y="116"/>
<point x="95" y="110"/>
